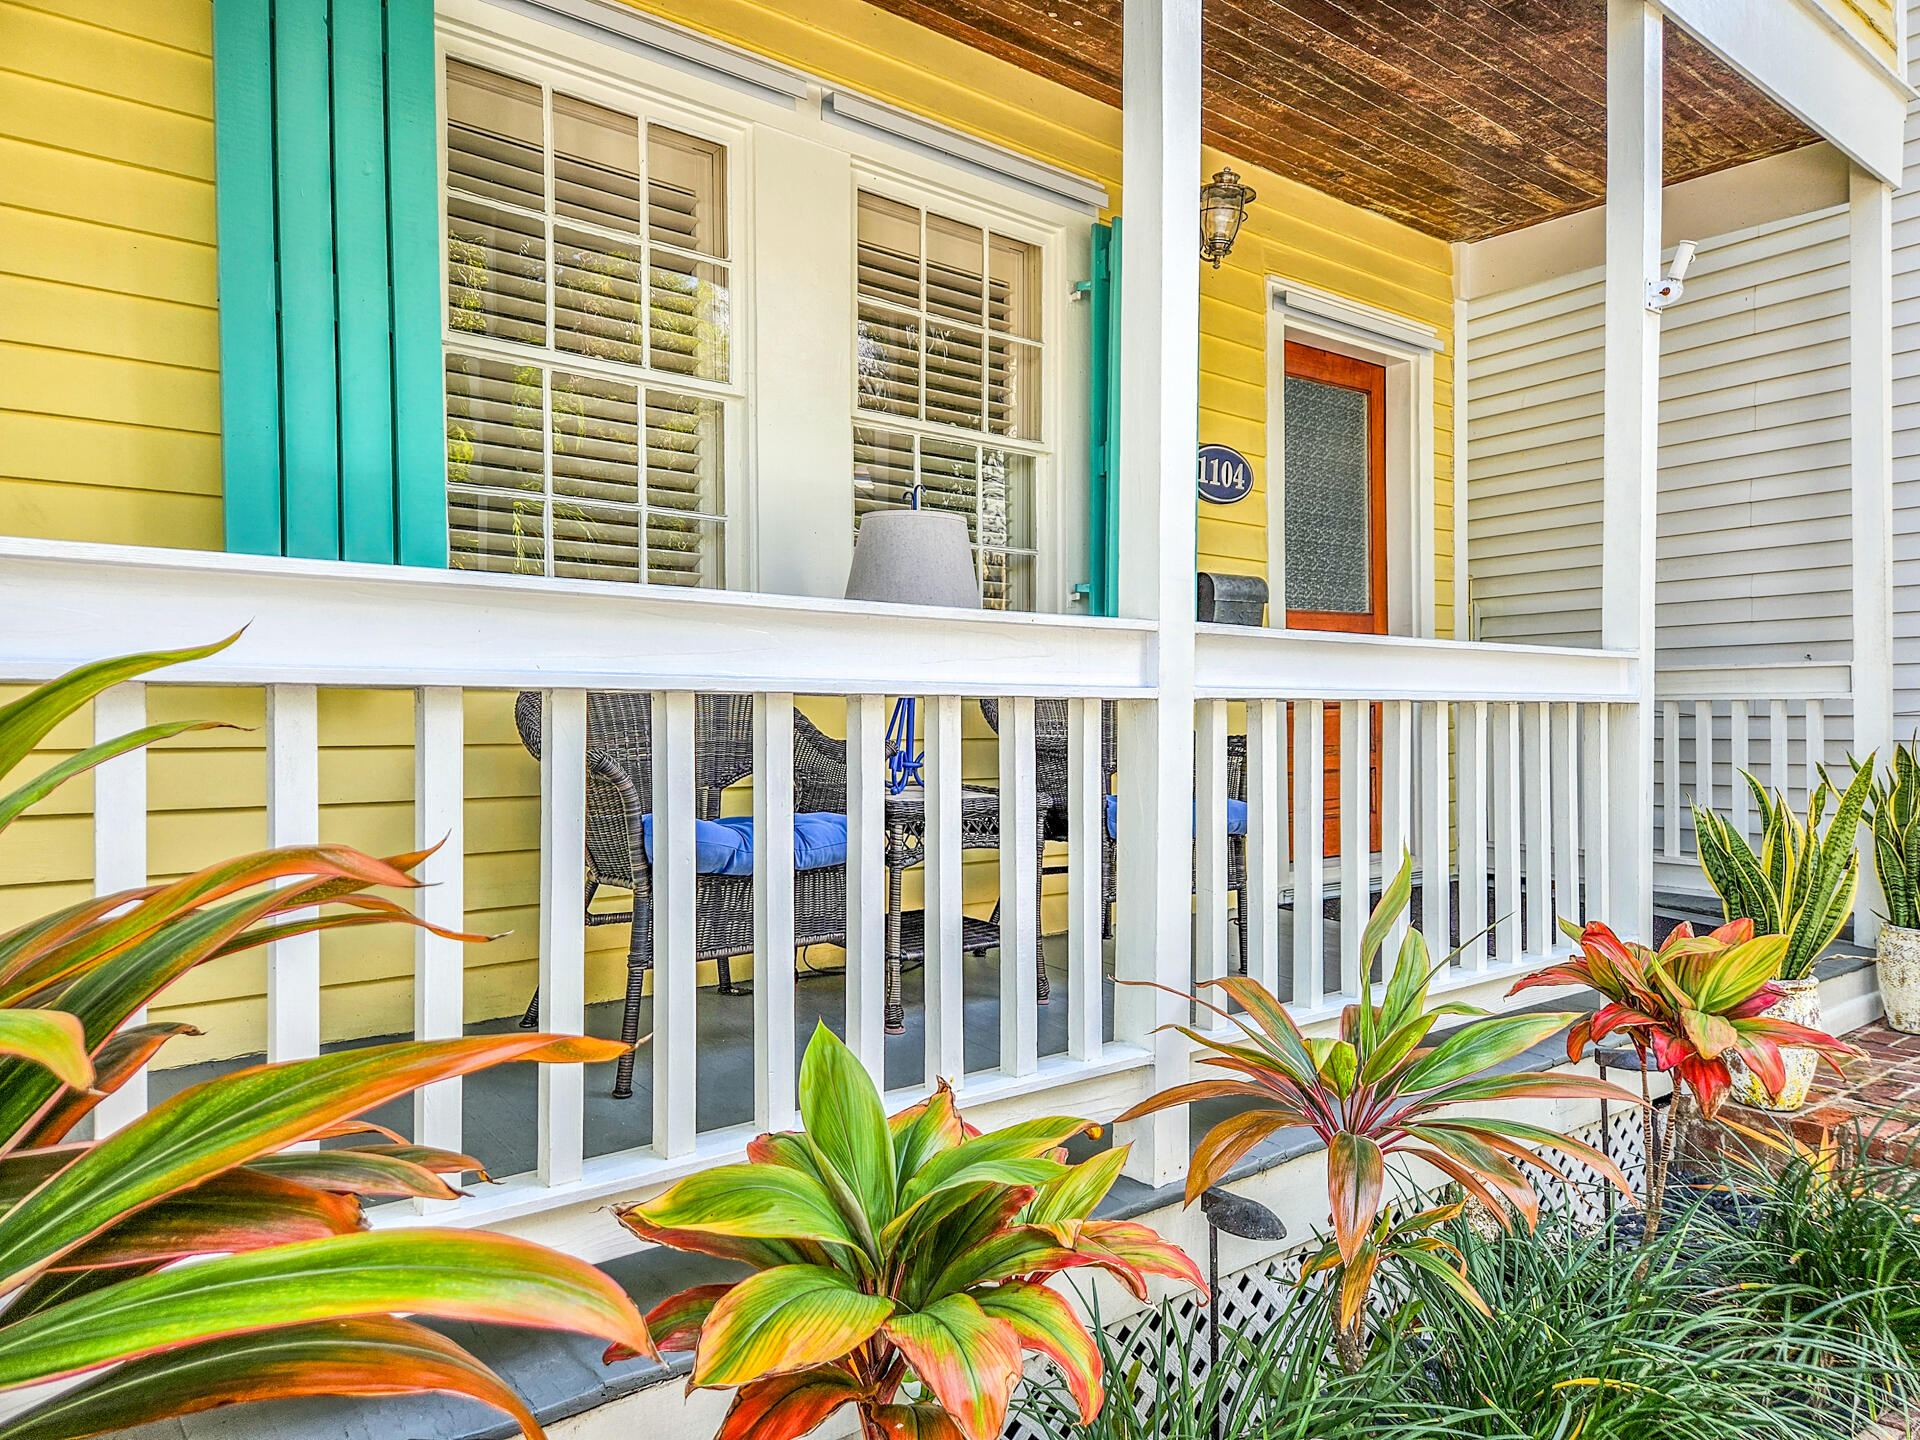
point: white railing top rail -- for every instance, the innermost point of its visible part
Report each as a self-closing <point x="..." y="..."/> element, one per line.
<point x="373" y="626"/>
<point x="1236" y="662"/>
<point x="1791" y="680"/>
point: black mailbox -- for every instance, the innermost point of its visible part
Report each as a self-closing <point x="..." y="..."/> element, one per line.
<point x="1232" y="599"/>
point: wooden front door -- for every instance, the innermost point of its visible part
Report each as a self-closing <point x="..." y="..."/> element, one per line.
<point x="1334" y="419"/>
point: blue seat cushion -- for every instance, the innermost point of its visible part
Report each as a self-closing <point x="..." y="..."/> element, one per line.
<point x="725" y="847"/>
<point x="1236" y="816"/>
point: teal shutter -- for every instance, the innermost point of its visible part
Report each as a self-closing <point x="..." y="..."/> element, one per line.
<point x="332" y="433"/>
<point x="1103" y="424"/>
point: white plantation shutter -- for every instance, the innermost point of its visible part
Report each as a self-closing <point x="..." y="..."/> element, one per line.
<point x="588" y="275"/>
<point x="946" y="339"/>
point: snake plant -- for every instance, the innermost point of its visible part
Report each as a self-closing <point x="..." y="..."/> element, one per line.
<point x="1802" y="880"/>
<point x="1893" y="815"/>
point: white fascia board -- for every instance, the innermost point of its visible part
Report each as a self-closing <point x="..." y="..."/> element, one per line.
<point x="1248" y="662"/>
<point x="673" y="45"/>
<point x="1351" y="318"/>
<point x="943" y="142"/>
<point x="332" y="622"/>
<point x="1811" y="67"/>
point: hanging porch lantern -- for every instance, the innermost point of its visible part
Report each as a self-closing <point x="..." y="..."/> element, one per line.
<point x="1223" y="206"/>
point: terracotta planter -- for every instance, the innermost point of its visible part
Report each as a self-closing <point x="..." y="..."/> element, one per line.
<point x="1900" y="977"/>
<point x="1800" y="1003"/>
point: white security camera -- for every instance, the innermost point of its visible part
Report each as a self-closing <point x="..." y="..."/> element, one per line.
<point x="1665" y="292"/>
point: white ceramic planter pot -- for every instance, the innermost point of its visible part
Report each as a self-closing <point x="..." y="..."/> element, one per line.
<point x="1799" y="1002"/>
<point x="1900" y="977"/>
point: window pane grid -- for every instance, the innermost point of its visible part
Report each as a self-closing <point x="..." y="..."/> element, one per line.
<point x="947" y="325"/>
<point x="991" y="488"/>
<point x="573" y="476"/>
<point x="948" y="359"/>
<point x="535" y="173"/>
<point x="583" y="233"/>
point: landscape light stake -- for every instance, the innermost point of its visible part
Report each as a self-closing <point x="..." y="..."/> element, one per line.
<point x="1249" y="1220"/>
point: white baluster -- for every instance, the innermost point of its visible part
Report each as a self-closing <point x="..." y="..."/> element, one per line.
<point x="1778" y="776"/>
<point x="867" y="883"/>
<point x="120" y="852"/>
<point x="1702" y="759"/>
<point x="563" y="936"/>
<point x="1566" y="818"/>
<point x="1506" y="832"/>
<point x="1537" y="777"/>
<point x="1086" y="829"/>
<point x="1309" y="839"/>
<point x="1396" y="805"/>
<point x="774" y="1104"/>
<point x="1266" y="839"/>
<point x="1594" y="812"/>
<point x="944" y="971"/>
<point x="439" y="964"/>
<point x="1436" y="867"/>
<point x="1670" y="779"/>
<point x="293" y="818"/>
<point x="1816" y="742"/>
<point x="676" y="973"/>
<point x="1019" y="891"/>
<point x="1470" y="751"/>
<point x="1742" y="802"/>
<point x="1356" y="842"/>
<point x="1210" y="854"/>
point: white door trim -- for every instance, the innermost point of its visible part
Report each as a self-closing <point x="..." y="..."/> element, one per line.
<point x="1406" y="349"/>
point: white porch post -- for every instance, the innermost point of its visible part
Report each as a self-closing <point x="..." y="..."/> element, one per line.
<point x="1631" y="440"/>
<point x="1870" y="365"/>
<point x="1159" y="432"/>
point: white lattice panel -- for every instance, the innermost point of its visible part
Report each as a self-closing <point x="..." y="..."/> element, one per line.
<point x="1254" y="1301"/>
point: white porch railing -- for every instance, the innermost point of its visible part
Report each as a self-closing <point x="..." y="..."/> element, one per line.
<point x="1780" y="722"/>
<point x="1491" y="767"/>
<point x="1491" y="762"/>
<point x="442" y="635"/>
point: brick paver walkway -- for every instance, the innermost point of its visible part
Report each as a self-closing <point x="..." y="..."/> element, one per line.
<point x="1876" y="1103"/>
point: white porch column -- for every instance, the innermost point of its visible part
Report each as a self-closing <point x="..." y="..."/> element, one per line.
<point x="1159" y="433"/>
<point x="1631" y="440"/>
<point x="1870" y="366"/>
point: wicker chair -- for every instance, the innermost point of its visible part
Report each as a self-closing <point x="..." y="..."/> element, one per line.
<point x="620" y="794"/>
<point x="1050" y="775"/>
<point x="820" y="783"/>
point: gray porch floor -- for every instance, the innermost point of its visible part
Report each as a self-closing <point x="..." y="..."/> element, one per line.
<point x="499" y="1105"/>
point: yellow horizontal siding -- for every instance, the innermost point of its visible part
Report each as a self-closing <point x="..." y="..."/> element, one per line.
<point x="110" y="422"/>
<point x="109" y="430"/>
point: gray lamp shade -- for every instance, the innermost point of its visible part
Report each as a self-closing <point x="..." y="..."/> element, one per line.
<point x="914" y="557"/>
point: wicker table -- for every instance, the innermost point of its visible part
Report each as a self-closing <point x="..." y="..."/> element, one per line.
<point x="906" y="826"/>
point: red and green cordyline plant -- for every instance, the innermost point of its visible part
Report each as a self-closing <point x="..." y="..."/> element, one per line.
<point x="1378" y="1091"/>
<point x="1690" y="1004"/>
<point x="286" y="1295"/>
<point x="899" y="1264"/>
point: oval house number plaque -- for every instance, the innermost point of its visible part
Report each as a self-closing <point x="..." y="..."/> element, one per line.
<point x="1225" y="475"/>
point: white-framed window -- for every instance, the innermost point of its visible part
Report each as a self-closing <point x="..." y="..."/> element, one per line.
<point x="590" y="374"/>
<point x="950" y="361"/>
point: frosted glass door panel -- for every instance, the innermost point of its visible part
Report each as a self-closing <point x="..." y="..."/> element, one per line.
<point x="1329" y="498"/>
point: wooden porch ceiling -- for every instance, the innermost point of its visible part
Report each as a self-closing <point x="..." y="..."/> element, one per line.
<point x="1462" y="118"/>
